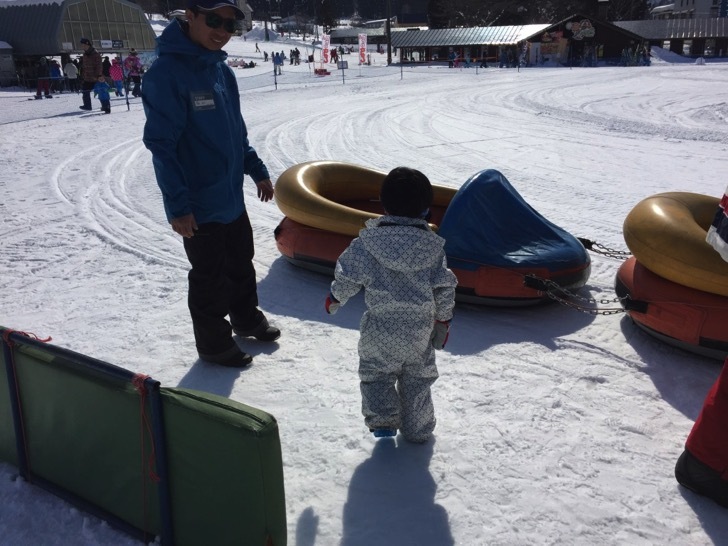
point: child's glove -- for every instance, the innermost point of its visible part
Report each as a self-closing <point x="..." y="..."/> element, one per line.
<point x="440" y="333"/>
<point x="332" y="304"/>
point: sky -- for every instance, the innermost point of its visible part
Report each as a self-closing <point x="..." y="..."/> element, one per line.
<point x="553" y="426"/>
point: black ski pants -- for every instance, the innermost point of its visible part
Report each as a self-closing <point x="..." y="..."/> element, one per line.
<point x="221" y="282"/>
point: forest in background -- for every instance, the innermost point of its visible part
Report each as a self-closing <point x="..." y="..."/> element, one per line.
<point x="433" y="13"/>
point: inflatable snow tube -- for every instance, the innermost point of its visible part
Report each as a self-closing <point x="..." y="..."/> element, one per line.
<point x="336" y="196"/>
<point x="666" y="233"/>
<point x="501" y="250"/>
<point x="693" y="320"/>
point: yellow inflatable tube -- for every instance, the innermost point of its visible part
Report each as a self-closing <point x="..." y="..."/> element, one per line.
<point x="666" y="233"/>
<point x="312" y="194"/>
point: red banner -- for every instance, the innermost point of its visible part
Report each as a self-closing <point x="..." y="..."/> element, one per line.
<point x="325" y="44"/>
<point x="362" y="48"/>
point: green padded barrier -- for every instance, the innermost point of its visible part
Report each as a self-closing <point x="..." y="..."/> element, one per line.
<point x="84" y="434"/>
<point x="236" y="496"/>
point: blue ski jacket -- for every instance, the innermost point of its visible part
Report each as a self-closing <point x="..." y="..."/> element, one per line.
<point x="196" y="132"/>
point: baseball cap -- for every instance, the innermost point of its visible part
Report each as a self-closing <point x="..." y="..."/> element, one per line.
<point x="209" y="5"/>
<point x="85" y="41"/>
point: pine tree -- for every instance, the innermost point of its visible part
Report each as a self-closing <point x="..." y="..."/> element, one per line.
<point x="438" y="13"/>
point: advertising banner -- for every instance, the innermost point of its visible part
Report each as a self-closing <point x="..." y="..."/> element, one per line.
<point x="325" y="44"/>
<point x="362" y="48"/>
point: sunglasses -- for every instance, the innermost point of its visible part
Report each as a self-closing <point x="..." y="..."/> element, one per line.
<point x="213" y="20"/>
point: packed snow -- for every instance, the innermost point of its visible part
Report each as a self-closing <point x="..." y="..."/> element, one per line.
<point x="554" y="426"/>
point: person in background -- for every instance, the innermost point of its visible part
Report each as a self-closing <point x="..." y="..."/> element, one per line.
<point x="117" y="75"/>
<point x="277" y="63"/>
<point x="101" y="90"/>
<point x="410" y="296"/>
<point x="43" y="73"/>
<point x="91" y="69"/>
<point x="200" y="152"/>
<point x="105" y="67"/>
<point x="133" y="68"/>
<point x="56" y="76"/>
<point x="71" y="72"/>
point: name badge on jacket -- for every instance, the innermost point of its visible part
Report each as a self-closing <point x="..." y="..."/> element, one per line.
<point x="203" y="101"/>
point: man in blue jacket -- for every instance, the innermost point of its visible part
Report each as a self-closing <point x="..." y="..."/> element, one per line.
<point x="200" y="152"/>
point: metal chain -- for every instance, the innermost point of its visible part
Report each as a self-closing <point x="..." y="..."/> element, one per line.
<point x="554" y="291"/>
<point x="603" y="250"/>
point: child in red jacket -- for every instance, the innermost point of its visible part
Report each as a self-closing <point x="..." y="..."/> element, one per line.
<point x="117" y="74"/>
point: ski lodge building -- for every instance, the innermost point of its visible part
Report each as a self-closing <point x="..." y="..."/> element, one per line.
<point x="576" y="40"/>
<point x="34" y="28"/>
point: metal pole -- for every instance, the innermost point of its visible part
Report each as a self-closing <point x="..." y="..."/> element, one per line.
<point x="160" y="454"/>
<point x="16" y="411"/>
<point x="389" y="32"/>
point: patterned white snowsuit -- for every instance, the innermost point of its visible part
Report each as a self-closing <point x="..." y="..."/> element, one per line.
<point x="407" y="286"/>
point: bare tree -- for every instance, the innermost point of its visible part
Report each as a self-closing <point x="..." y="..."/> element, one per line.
<point x="627" y="10"/>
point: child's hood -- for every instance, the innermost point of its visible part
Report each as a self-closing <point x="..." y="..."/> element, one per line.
<point x="402" y="244"/>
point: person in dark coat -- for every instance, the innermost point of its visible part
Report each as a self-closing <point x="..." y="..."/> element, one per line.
<point x="44" y="78"/>
<point x="106" y="67"/>
<point x="90" y="72"/>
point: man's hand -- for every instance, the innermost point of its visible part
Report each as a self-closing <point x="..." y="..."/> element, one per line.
<point x="265" y="189"/>
<point x="185" y="225"/>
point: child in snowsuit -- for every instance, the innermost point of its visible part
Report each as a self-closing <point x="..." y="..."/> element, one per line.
<point x="117" y="74"/>
<point x="101" y="90"/>
<point x="133" y="67"/>
<point x="410" y="295"/>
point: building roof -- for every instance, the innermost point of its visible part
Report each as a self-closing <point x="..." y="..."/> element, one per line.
<point x="668" y="29"/>
<point x="344" y="33"/>
<point x="465" y="36"/>
<point x="51" y="27"/>
<point x="598" y="25"/>
<point x="31" y="28"/>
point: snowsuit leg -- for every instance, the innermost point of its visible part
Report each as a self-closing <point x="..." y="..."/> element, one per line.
<point x="418" y="412"/>
<point x="379" y="400"/>
<point x="396" y="370"/>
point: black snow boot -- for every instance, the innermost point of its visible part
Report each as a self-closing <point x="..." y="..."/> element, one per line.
<point x="690" y="472"/>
